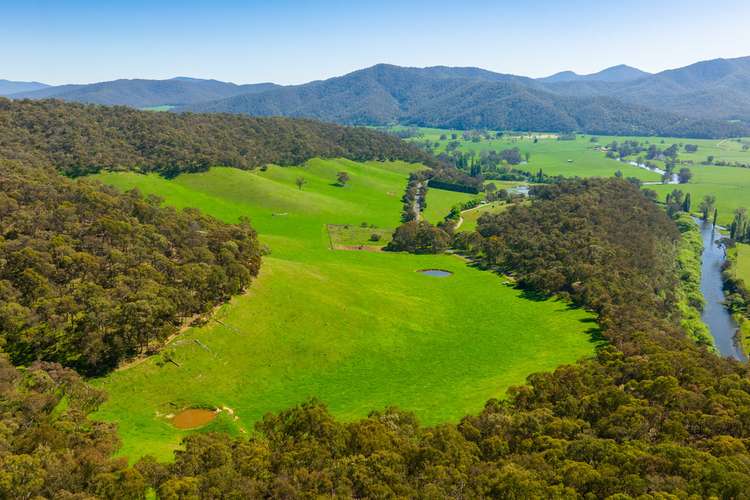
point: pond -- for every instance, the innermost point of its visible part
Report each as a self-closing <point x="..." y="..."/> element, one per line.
<point x="438" y="273"/>
<point x="718" y="319"/>
<point x="193" y="418"/>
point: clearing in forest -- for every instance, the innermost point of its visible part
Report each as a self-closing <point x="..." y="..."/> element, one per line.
<point x="358" y="330"/>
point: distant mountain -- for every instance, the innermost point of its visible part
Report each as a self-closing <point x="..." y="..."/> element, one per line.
<point x="143" y="93"/>
<point x="706" y="99"/>
<point x="620" y="73"/>
<point x="8" y="87"/>
<point x="460" y="98"/>
<point x="715" y="89"/>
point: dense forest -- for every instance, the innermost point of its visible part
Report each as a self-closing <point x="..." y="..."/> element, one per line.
<point x="89" y="276"/>
<point x="79" y="139"/>
<point x="652" y="415"/>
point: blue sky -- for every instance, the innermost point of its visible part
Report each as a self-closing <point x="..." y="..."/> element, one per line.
<point x="80" y="41"/>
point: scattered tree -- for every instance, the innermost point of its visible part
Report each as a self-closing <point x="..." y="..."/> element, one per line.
<point x="342" y="178"/>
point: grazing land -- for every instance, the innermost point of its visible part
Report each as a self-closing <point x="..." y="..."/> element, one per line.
<point x="730" y="185"/>
<point x="548" y="153"/>
<point x="440" y="202"/>
<point x="580" y="157"/>
<point x="471" y="216"/>
<point x="359" y="330"/>
<point x="743" y="263"/>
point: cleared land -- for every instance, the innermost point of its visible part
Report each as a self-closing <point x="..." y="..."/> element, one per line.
<point x="730" y="185"/>
<point x="440" y="202"/>
<point x="359" y="330"/>
<point x="547" y="153"/>
<point x="743" y="262"/>
<point x="471" y="216"/>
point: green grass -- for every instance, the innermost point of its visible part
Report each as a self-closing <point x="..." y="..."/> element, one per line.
<point x="471" y="216"/>
<point x="730" y="185"/>
<point x="440" y="202"/>
<point x="742" y="266"/>
<point x="353" y="235"/>
<point x="359" y="330"/>
<point x="548" y="153"/>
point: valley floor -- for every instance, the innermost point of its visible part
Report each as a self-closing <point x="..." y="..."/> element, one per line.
<point x="358" y="330"/>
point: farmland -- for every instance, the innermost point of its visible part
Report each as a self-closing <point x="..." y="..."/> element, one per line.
<point x="359" y="330"/>
<point x="580" y="157"/>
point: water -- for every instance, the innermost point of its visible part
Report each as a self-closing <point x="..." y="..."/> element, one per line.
<point x="715" y="315"/>
<point x="673" y="180"/>
<point x="438" y="273"/>
<point x="523" y="190"/>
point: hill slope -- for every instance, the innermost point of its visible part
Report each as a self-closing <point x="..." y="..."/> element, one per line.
<point x="142" y="93"/>
<point x="459" y="98"/>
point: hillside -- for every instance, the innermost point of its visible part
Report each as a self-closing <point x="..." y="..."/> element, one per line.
<point x="715" y="89"/>
<point x="461" y="98"/>
<point x="79" y="139"/>
<point x="8" y="87"/>
<point x="140" y="93"/>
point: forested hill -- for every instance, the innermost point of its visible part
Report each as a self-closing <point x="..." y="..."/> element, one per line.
<point x="79" y="139"/>
<point x="465" y="98"/>
<point x="140" y="93"/>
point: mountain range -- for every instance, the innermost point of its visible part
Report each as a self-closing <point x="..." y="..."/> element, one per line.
<point x="620" y="73"/>
<point x="141" y="93"/>
<point x="8" y="87"/>
<point x="705" y="99"/>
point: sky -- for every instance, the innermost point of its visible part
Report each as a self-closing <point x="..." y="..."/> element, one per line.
<point x="289" y="42"/>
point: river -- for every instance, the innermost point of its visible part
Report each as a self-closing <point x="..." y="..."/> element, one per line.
<point x="723" y="327"/>
<point x="674" y="179"/>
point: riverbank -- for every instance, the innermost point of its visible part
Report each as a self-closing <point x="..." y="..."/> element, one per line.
<point x="716" y="311"/>
<point x="738" y="297"/>
<point x="690" y="301"/>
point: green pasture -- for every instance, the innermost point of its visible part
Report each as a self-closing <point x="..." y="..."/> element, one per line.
<point x="742" y="267"/>
<point x="360" y="330"/>
<point x="730" y="185"/>
<point x="555" y="157"/>
<point x="440" y="202"/>
<point x="472" y="215"/>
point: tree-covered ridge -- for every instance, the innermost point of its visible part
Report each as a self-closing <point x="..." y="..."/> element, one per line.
<point x="465" y="98"/>
<point x="79" y="139"/>
<point x="89" y="276"/>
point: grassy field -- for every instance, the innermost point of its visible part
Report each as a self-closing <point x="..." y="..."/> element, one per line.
<point x="548" y="153"/>
<point x="742" y="270"/>
<point x="359" y="330"/>
<point x="743" y="262"/>
<point x="730" y="185"/>
<point x="471" y="216"/>
<point x="440" y="202"/>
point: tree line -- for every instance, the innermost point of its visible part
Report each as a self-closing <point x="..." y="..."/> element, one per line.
<point x="90" y="276"/>
<point x="80" y="139"/>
